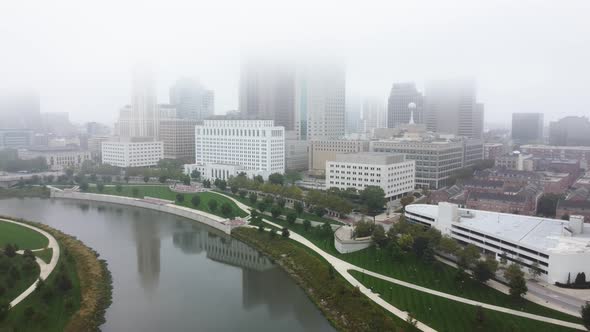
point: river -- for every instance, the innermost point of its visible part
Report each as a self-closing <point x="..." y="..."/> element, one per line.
<point x="172" y="274"/>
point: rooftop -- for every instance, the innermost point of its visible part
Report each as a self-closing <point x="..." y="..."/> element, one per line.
<point x="379" y="158"/>
<point x="544" y="234"/>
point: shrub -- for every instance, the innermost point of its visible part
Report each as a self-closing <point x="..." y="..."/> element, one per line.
<point x="291" y="217"/>
<point x="212" y="204"/>
<point x="276" y="211"/>
<point x="196" y="200"/>
<point x="243" y="193"/>
<point x="179" y="198"/>
<point x="285" y="232"/>
<point x="226" y="209"/>
<point x="306" y="225"/>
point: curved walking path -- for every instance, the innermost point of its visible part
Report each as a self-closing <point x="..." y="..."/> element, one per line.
<point x="45" y="269"/>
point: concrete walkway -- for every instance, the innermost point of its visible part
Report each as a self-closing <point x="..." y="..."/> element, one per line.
<point x="343" y="267"/>
<point x="45" y="268"/>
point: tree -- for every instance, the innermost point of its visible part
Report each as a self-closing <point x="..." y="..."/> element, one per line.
<point x="291" y="217"/>
<point x="285" y="232"/>
<point x="222" y="185"/>
<point x="195" y="174"/>
<point x="482" y="272"/>
<point x="379" y="236"/>
<point x="196" y="200"/>
<point x="298" y="207"/>
<point x="395" y="252"/>
<point x="206" y="183"/>
<point x="259" y="179"/>
<point x="179" y="198"/>
<point x="261" y="207"/>
<point x="518" y="287"/>
<point x="585" y="313"/>
<point x="276" y="211"/>
<point x="135" y="192"/>
<point x="276" y="178"/>
<point x="69" y="172"/>
<point x="406" y="200"/>
<point x="212" y="204"/>
<point x="363" y="229"/>
<point x="535" y="271"/>
<point x="186" y="180"/>
<point x="119" y="188"/>
<point x="326" y="229"/>
<point x="243" y="194"/>
<point x="405" y="241"/>
<point x="234" y="189"/>
<point x="448" y="245"/>
<point x="420" y="244"/>
<point x="100" y="186"/>
<point x="253" y="197"/>
<point x="548" y="204"/>
<point x="163" y="179"/>
<point x="146" y="179"/>
<point x="513" y="271"/>
<point x="226" y="209"/>
<point x="373" y="198"/>
<point x="84" y="186"/>
<point x="468" y="256"/>
<point x="281" y="202"/>
<point x="580" y="279"/>
<point x="9" y="250"/>
<point x="126" y="178"/>
<point x="503" y="258"/>
<point x="306" y="225"/>
<point x="268" y="200"/>
<point x="319" y="211"/>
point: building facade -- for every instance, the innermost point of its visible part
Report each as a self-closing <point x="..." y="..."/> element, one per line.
<point x="192" y="100"/>
<point x="134" y="152"/>
<point x="178" y="137"/>
<point x="15" y="138"/>
<point x="256" y="145"/>
<point x="296" y="152"/>
<point x="527" y="128"/>
<point x="401" y="95"/>
<point x="516" y="161"/>
<point x="58" y="158"/>
<point x="570" y="131"/>
<point x="143" y="114"/>
<point x="579" y="153"/>
<point x="491" y="151"/>
<point x="451" y="107"/>
<point x="374" y="115"/>
<point x="392" y="172"/>
<point x="561" y="248"/>
<point x="321" y="151"/>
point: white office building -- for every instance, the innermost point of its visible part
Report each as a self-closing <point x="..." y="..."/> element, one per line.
<point x="226" y="147"/>
<point x="135" y="152"/>
<point x="390" y="171"/>
<point x="560" y="247"/>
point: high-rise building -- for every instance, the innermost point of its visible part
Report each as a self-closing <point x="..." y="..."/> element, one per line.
<point x="57" y="123"/>
<point x="144" y="115"/>
<point x="132" y="152"/>
<point x="20" y="110"/>
<point x="192" y="100"/>
<point x="321" y="151"/>
<point x="353" y="115"/>
<point x="398" y="113"/>
<point x="320" y="101"/>
<point x="570" y="131"/>
<point x="178" y="136"/>
<point x="451" y="107"/>
<point x="267" y="91"/>
<point x="374" y="114"/>
<point x="527" y="128"/>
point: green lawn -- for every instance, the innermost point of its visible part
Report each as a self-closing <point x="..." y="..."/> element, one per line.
<point x="23" y="237"/>
<point x="440" y="277"/>
<point x="25" y="277"/>
<point x="304" y="215"/>
<point x="53" y="314"/>
<point x="447" y="315"/>
<point x="165" y="193"/>
<point x="45" y="254"/>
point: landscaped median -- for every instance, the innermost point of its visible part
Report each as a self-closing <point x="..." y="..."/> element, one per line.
<point x="73" y="297"/>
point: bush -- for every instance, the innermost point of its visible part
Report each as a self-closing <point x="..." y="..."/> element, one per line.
<point x="179" y="198"/>
<point x="196" y="200"/>
<point x="226" y="209"/>
<point x="243" y="194"/>
<point x="281" y="202"/>
<point x="253" y="197"/>
<point x="212" y="204"/>
<point x="291" y="217"/>
<point x="276" y="211"/>
<point x="298" y="207"/>
<point x="306" y="225"/>
<point x="285" y="232"/>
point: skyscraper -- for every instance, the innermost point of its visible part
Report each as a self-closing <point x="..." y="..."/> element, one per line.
<point x="267" y="91"/>
<point x="320" y="101"/>
<point x="144" y="115"/>
<point x="451" y="107"/>
<point x="398" y="113"/>
<point x="527" y="128"/>
<point x="374" y="114"/>
<point x="570" y="131"/>
<point x="192" y="100"/>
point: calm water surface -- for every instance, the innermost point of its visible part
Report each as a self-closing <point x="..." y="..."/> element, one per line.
<point x="171" y="274"/>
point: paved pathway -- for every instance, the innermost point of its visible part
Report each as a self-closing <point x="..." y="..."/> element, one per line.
<point x="45" y="268"/>
<point x="343" y="267"/>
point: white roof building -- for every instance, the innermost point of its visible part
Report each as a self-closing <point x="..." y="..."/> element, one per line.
<point x="560" y="247"/>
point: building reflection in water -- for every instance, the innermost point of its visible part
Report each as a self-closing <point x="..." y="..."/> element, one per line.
<point x="147" y="240"/>
<point x="261" y="279"/>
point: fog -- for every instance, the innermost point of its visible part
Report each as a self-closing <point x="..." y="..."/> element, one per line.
<point x="527" y="56"/>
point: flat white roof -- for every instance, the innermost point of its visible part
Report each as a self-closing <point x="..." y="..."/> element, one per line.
<point x="543" y="234"/>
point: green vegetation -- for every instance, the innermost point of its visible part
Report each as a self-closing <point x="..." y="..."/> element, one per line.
<point x="187" y="200"/>
<point x="17" y="273"/>
<point x="547" y="205"/>
<point x="44" y="254"/>
<point x="23" y="237"/>
<point x="344" y="306"/>
<point x="24" y="191"/>
<point x="448" y="315"/>
<point x="9" y="162"/>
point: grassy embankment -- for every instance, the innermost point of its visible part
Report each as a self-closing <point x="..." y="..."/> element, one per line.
<point x="165" y="193"/>
<point x="58" y="305"/>
<point x="27" y="191"/>
<point x="344" y="306"/>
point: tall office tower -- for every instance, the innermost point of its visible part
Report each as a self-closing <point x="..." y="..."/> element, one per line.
<point x="192" y="100"/>
<point x="451" y="107"/>
<point x="527" y="128"/>
<point x="20" y="110"/>
<point x="374" y="114"/>
<point x="401" y="95"/>
<point x="570" y="131"/>
<point x="144" y="115"/>
<point x="57" y="123"/>
<point x="267" y="92"/>
<point x="320" y="101"/>
<point x="353" y="115"/>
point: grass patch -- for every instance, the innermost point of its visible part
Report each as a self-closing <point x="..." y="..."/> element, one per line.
<point x="165" y="193"/>
<point x="44" y="254"/>
<point x="23" y="237"/>
<point x="439" y="277"/>
<point x="27" y="191"/>
<point x="344" y="306"/>
<point x="28" y="272"/>
<point x="447" y="315"/>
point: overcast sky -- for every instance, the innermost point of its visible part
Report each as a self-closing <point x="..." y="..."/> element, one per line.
<point x="527" y="56"/>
